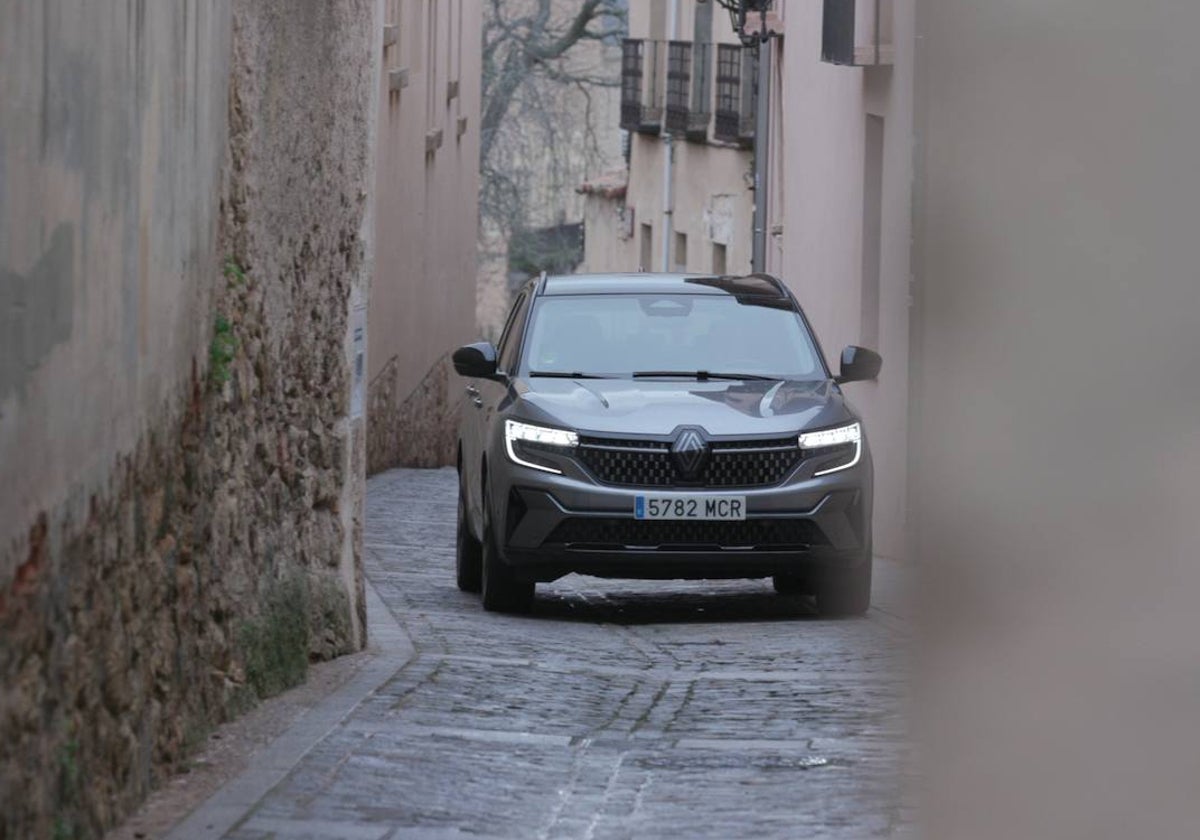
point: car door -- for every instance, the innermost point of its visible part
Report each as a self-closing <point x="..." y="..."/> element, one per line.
<point x="488" y="394"/>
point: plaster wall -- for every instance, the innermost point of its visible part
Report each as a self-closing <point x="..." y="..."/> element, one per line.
<point x="427" y="179"/>
<point x="608" y="247"/>
<point x="110" y="161"/>
<point x="816" y="178"/>
<point x="712" y="203"/>
<point x="713" y="200"/>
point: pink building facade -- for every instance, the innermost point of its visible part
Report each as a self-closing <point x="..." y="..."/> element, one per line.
<point x="840" y="198"/>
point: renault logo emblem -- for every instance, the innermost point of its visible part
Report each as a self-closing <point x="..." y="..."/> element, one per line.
<point x="690" y="451"/>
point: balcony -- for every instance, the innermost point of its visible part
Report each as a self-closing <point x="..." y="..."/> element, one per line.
<point x="737" y="77"/>
<point x="688" y="90"/>
<point x="858" y="33"/>
<point x="641" y="103"/>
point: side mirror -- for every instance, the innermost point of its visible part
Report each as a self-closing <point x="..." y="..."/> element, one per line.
<point x="476" y="361"/>
<point x="860" y="365"/>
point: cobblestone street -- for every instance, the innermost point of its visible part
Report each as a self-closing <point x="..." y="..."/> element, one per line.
<point x="617" y="709"/>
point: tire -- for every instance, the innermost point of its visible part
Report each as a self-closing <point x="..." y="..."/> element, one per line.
<point x="791" y="584"/>
<point x="846" y="592"/>
<point x="502" y="590"/>
<point x="468" y="554"/>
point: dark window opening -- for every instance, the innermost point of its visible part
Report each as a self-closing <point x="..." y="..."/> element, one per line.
<point x="641" y="109"/>
<point x="687" y="112"/>
<point x="737" y="84"/>
<point x="857" y="32"/>
<point x="679" y="78"/>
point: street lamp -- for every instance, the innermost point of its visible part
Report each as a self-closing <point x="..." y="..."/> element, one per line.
<point x="739" y="13"/>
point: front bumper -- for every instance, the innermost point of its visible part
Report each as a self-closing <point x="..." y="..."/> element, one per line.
<point x="552" y="525"/>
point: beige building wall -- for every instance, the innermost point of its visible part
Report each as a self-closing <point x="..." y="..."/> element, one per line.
<point x="713" y="203"/>
<point x="427" y="182"/>
<point x="833" y="126"/>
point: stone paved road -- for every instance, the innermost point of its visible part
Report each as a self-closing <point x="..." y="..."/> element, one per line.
<point x="618" y="709"/>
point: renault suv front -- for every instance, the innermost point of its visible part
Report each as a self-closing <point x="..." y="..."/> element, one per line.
<point x="662" y="426"/>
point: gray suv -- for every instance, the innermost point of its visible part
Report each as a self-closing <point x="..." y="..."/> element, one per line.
<point x="662" y="426"/>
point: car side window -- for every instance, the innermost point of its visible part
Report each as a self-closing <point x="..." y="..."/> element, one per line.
<point x="511" y="339"/>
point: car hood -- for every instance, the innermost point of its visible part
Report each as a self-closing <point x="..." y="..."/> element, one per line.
<point x="659" y="407"/>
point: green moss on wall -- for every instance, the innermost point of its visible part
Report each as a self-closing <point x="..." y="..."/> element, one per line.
<point x="275" y="644"/>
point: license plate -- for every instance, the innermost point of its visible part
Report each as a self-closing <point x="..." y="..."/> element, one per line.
<point x="676" y="506"/>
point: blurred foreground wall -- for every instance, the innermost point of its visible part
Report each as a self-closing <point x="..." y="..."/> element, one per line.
<point x="184" y="236"/>
<point x="1056" y="422"/>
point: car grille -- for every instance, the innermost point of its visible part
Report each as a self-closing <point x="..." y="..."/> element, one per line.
<point x="603" y="532"/>
<point x="642" y="463"/>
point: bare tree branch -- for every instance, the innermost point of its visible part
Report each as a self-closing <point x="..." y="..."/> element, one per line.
<point x="538" y="141"/>
<point x="528" y="43"/>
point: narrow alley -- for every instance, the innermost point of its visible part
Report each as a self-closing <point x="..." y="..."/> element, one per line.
<point x="617" y="709"/>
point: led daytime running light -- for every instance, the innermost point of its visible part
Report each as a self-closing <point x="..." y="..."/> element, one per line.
<point x="515" y="431"/>
<point x="831" y="437"/>
<point x="827" y="438"/>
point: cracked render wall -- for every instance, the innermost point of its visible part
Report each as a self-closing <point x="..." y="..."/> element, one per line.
<point x="184" y="253"/>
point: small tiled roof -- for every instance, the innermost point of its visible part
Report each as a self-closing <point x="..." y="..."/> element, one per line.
<point x="609" y="185"/>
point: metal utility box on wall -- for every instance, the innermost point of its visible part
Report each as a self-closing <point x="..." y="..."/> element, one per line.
<point x="857" y="33"/>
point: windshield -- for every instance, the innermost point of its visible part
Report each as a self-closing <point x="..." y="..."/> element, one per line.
<point x="622" y="335"/>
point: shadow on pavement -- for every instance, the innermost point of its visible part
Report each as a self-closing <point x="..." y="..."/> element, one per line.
<point x="663" y="606"/>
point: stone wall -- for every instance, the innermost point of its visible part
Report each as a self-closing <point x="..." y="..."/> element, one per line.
<point x="190" y="538"/>
<point x="297" y="224"/>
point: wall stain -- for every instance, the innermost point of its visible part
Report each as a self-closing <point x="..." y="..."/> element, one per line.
<point x="36" y="311"/>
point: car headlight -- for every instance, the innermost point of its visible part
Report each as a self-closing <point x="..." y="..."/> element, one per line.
<point x="838" y="449"/>
<point x="523" y="441"/>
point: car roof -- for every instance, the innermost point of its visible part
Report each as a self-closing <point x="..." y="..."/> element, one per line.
<point x="750" y="285"/>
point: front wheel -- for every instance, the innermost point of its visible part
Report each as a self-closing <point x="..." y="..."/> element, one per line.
<point x="503" y="591"/>
<point x="468" y="554"/>
<point x="846" y="592"/>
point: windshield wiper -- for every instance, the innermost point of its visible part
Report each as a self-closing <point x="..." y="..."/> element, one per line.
<point x="702" y="375"/>
<point x="558" y="374"/>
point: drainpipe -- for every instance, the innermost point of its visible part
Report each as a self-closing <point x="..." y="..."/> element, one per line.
<point x="762" y="125"/>
<point x="668" y="222"/>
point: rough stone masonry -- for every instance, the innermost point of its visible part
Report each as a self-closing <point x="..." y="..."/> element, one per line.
<point x="183" y="200"/>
